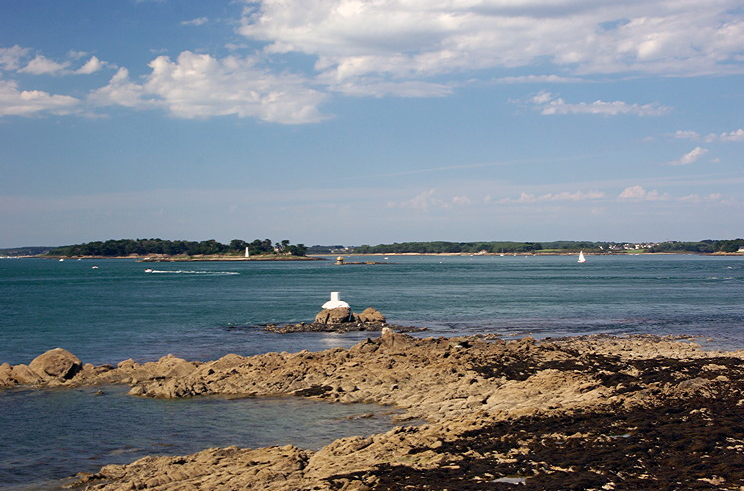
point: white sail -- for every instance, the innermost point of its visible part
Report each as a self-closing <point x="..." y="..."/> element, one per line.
<point x="581" y="257"/>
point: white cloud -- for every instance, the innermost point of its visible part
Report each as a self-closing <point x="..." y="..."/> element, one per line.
<point x="711" y="198"/>
<point x="41" y="65"/>
<point x="690" y="157"/>
<point x="91" y="66"/>
<point x="562" y="196"/>
<point x="195" y="22"/>
<point x="416" y="48"/>
<point x="422" y="202"/>
<point x="686" y="135"/>
<point x="400" y="89"/>
<point x="411" y="39"/>
<point x="14" y="102"/>
<point x="462" y="200"/>
<point x="198" y="85"/>
<point x="549" y="104"/>
<point x="732" y="136"/>
<point x="638" y="193"/>
<point x="10" y="58"/>
<point x="426" y="201"/>
<point x="532" y="79"/>
<point x="120" y="91"/>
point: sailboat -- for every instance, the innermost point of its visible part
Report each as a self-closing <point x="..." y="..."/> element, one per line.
<point x="582" y="259"/>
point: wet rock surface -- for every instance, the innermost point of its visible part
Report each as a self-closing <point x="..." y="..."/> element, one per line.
<point x="342" y="319"/>
<point x="691" y="444"/>
<point x="599" y="412"/>
<point x="352" y="326"/>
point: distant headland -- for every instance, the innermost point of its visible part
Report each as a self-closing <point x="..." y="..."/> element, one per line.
<point x="157" y="250"/>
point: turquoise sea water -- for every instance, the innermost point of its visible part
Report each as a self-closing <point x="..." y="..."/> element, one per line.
<point x="201" y="311"/>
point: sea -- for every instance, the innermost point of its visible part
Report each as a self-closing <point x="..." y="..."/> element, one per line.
<point x="109" y="310"/>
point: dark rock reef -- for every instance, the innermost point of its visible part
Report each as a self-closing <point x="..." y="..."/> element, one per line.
<point x="342" y="319"/>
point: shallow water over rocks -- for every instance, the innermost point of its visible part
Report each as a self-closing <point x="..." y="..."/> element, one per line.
<point x="49" y="434"/>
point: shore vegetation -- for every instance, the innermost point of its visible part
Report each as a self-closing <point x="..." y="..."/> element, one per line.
<point x="144" y="247"/>
<point x="557" y="247"/>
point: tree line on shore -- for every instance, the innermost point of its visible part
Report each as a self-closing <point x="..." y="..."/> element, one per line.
<point x="704" y="246"/>
<point x="127" y="247"/>
<point x="142" y="247"/>
<point x="443" y="247"/>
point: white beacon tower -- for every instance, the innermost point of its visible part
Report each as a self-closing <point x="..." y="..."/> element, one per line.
<point x="335" y="301"/>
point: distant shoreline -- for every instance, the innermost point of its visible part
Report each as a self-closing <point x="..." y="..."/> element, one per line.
<point x="331" y="256"/>
<point x="531" y="253"/>
<point x="187" y="259"/>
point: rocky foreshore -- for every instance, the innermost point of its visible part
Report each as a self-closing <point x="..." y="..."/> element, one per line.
<point x="580" y="413"/>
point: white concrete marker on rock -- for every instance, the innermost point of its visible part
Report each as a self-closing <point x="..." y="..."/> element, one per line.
<point x="335" y="302"/>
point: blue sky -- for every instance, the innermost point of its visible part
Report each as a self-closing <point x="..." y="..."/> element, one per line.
<point x="351" y="122"/>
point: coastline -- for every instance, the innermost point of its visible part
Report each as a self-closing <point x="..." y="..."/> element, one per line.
<point x="598" y="412"/>
<point x="531" y="253"/>
<point x="150" y="258"/>
<point x="326" y="257"/>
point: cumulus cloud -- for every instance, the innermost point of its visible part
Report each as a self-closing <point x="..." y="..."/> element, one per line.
<point x="711" y="198"/>
<point x="413" y="39"/>
<point x="120" y="91"/>
<point x="427" y="200"/>
<point x="14" y="102"/>
<point x="732" y="136"/>
<point x="638" y="193"/>
<point x="91" y="66"/>
<point x="549" y="104"/>
<point x="41" y="65"/>
<point x="690" y="157"/>
<point x="10" y="58"/>
<point x="13" y="59"/>
<point x="562" y="196"/>
<point x="414" y="48"/>
<point x="199" y="86"/>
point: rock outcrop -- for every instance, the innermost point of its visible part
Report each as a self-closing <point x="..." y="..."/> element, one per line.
<point x="599" y="413"/>
<point x="56" y="363"/>
<point x="342" y="319"/>
<point x="336" y="315"/>
<point x="595" y="412"/>
<point x="371" y="315"/>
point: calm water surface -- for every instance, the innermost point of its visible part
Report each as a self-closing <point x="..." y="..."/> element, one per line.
<point x="201" y="311"/>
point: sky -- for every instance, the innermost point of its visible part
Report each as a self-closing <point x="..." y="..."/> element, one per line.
<point x="371" y="121"/>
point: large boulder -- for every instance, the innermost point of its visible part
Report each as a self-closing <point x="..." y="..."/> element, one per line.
<point x="6" y="377"/>
<point x="23" y="375"/>
<point x="56" y="364"/>
<point x="371" y="315"/>
<point x="334" y="316"/>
